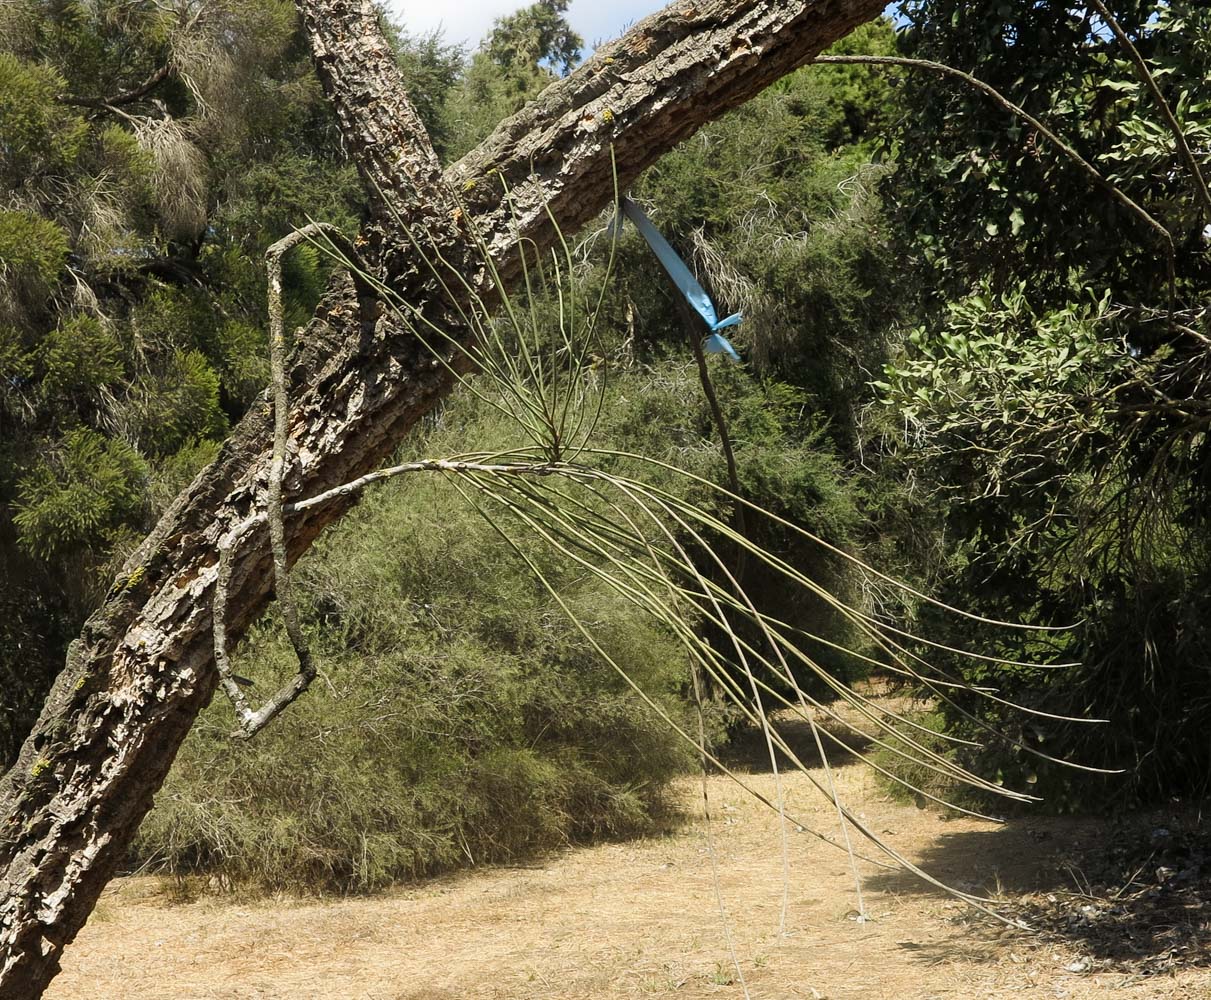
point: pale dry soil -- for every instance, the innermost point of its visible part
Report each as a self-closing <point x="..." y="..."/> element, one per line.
<point x="637" y="919"/>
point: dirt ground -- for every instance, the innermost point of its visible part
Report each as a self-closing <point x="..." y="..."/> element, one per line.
<point x="641" y="919"/>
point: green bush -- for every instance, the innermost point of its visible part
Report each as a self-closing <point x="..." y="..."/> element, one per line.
<point x="907" y="779"/>
<point x="79" y="357"/>
<point x="33" y="252"/>
<point x="78" y="494"/>
<point x="39" y="132"/>
<point x="460" y="718"/>
<point x="786" y="465"/>
<point x="1140" y="662"/>
<point x="16" y="365"/>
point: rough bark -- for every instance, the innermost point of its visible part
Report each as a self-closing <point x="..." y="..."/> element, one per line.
<point x="143" y="666"/>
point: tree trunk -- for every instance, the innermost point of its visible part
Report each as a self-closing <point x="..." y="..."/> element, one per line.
<point x="143" y="666"/>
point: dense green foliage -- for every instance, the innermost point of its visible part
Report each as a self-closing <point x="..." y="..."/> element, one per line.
<point x="131" y="293"/>
<point x="1051" y="409"/>
<point x="776" y="205"/>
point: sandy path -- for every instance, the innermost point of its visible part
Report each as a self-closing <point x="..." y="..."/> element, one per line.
<point x="623" y="920"/>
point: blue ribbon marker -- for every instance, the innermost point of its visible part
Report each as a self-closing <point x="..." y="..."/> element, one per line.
<point x="718" y="344"/>
<point x="685" y="281"/>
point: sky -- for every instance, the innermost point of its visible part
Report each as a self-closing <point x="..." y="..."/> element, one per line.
<point x="470" y="20"/>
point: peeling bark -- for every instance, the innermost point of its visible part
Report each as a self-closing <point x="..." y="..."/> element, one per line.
<point x="143" y="666"/>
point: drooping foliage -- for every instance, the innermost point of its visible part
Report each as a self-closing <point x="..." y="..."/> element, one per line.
<point x="776" y="208"/>
<point x="1052" y="403"/>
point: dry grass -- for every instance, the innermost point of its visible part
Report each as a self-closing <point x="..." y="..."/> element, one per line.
<point x="637" y="919"/>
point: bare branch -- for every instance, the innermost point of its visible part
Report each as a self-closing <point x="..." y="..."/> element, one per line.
<point x="252" y="722"/>
<point x="694" y="327"/>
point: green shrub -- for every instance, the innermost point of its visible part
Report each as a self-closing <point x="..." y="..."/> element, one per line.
<point x="33" y="252"/>
<point x="79" y="357"/>
<point x="78" y="494"/>
<point x="907" y="779"/>
<point x="176" y="403"/>
<point x="16" y="365"/>
<point x="39" y="132"/>
<point x="33" y="628"/>
<point x="786" y="465"/>
<point x="1139" y="661"/>
<point x="460" y="718"/>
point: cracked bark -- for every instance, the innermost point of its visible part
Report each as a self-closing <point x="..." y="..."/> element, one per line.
<point x="143" y="665"/>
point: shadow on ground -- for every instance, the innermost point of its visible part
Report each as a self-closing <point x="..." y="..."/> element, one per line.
<point x="748" y="751"/>
<point x="1130" y="894"/>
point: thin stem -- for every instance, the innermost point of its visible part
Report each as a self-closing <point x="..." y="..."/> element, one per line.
<point x="252" y="722"/>
<point x="693" y="326"/>
<point x="157" y="77"/>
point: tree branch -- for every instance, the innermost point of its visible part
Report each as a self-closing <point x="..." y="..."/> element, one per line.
<point x="123" y="98"/>
<point x="143" y="666"/>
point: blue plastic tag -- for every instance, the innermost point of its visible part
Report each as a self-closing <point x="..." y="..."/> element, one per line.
<point x="685" y="281"/>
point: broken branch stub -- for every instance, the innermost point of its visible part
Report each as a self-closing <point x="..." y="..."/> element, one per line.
<point x="249" y="721"/>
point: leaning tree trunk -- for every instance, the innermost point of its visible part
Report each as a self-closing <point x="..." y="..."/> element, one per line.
<point x="143" y="666"/>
